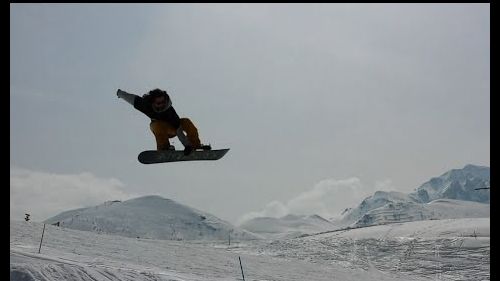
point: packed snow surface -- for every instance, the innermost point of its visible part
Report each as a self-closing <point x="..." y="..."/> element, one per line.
<point x="454" y="249"/>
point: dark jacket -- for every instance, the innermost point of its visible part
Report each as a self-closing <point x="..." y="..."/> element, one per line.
<point x="169" y="115"/>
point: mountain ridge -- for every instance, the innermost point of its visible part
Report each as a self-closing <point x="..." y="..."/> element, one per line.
<point x="452" y="186"/>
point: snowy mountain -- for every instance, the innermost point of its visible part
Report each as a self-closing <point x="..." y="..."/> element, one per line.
<point x="434" y="210"/>
<point x="452" y="195"/>
<point x="461" y="184"/>
<point x="378" y="200"/>
<point x="150" y="217"/>
<point x="289" y="226"/>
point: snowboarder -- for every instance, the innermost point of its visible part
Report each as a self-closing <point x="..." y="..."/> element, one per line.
<point x="165" y="123"/>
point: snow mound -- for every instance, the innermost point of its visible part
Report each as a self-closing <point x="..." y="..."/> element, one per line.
<point x="150" y="217"/>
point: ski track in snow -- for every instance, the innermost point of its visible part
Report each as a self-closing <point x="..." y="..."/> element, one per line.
<point x="462" y="257"/>
<point x="432" y="250"/>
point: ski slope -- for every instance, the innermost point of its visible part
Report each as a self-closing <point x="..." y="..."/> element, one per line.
<point x="68" y="254"/>
<point x="449" y="249"/>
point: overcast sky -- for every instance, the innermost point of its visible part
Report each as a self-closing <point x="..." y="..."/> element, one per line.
<point x="320" y="104"/>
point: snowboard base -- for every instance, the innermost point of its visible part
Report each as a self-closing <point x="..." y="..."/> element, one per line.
<point x="164" y="156"/>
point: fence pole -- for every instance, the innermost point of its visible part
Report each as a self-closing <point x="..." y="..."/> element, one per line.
<point x="241" y="269"/>
<point x="43" y="232"/>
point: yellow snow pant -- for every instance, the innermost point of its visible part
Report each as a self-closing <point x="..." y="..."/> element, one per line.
<point x="163" y="131"/>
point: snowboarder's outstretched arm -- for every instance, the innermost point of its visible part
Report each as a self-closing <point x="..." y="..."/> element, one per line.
<point x="130" y="98"/>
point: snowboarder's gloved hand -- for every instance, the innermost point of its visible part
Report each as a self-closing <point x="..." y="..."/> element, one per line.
<point x="130" y="98"/>
<point x="120" y="93"/>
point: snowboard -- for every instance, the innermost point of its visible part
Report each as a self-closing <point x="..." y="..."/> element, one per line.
<point x="164" y="156"/>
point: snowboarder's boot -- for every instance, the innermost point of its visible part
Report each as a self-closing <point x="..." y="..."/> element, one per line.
<point x="206" y="147"/>
<point x="188" y="149"/>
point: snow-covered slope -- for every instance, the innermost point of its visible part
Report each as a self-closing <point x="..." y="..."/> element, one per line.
<point x="446" y="250"/>
<point x="150" y="217"/>
<point x="288" y="226"/>
<point x="454" y="209"/>
<point x="451" y="249"/>
<point x="68" y="254"/>
<point x="411" y="211"/>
